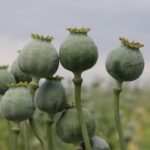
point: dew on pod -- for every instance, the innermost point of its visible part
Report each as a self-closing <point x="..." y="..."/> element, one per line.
<point x="5" y="78"/>
<point x="125" y="63"/>
<point x="18" y="74"/>
<point x="51" y="96"/>
<point x="68" y="127"/>
<point x="17" y="103"/>
<point x="39" y="58"/>
<point x="78" y="51"/>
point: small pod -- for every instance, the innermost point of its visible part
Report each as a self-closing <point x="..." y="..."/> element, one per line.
<point x="5" y="78"/>
<point x="51" y="97"/>
<point x="97" y="143"/>
<point x="68" y="127"/>
<point x="18" y="74"/>
<point x="17" y="103"/>
<point x="78" y="51"/>
<point x="125" y="63"/>
<point x="39" y="58"/>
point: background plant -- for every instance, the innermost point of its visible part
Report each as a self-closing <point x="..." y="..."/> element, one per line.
<point x="134" y="109"/>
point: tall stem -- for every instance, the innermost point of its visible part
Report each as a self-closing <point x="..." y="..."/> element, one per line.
<point x="26" y="135"/>
<point x="78" y="82"/>
<point x="49" y="124"/>
<point x="35" y="131"/>
<point x="117" y="91"/>
<point x="15" y="132"/>
<point x="10" y="135"/>
<point x="35" y="83"/>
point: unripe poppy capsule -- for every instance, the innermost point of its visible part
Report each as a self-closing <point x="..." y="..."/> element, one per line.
<point x="125" y="63"/>
<point x="39" y="58"/>
<point x="78" y="51"/>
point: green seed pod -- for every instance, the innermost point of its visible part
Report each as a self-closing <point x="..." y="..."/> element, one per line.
<point x="126" y="63"/>
<point x="5" y="78"/>
<point x="97" y="143"/>
<point x="18" y="74"/>
<point x="68" y="127"/>
<point x="78" y="52"/>
<point x="51" y="97"/>
<point x="17" y="103"/>
<point x="39" y="58"/>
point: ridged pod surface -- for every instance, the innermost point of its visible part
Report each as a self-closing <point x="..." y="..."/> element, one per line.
<point x="39" y="58"/>
<point x="51" y="97"/>
<point x="17" y="104"/>
<point x="5" y="78"/>
<point x="78" y="52"/>
<point x="68" y="127"/>
<point x="18" y="74"/>
<point x="125" y="63"/>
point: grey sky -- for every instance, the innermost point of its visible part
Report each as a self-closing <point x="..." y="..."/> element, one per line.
<point x="109" y="19"/>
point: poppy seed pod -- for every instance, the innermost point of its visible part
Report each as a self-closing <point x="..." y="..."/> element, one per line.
<point x="5" y="78"/>
<point x="97" y="143"/>
<point x="18" y="74"/>
<point x="51" y="97"/>
<point x="17" y="103"/>
<point x="125" y="63"/>
<point x="39" y="58"/>
<point x="78" y="52"/>
<point x="68" y="127"/>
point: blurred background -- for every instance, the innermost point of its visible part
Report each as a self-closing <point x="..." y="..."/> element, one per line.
<point x="108" y="20"/>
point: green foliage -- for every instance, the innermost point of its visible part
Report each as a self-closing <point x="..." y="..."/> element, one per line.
<point x="97" y="98"/>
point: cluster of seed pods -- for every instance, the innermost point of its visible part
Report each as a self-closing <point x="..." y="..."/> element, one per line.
<point x="21" y="93"/>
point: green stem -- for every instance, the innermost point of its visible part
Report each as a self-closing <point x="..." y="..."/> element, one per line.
<point x="26" y="135"/>
<point x="49" y="124"/>
<point x="35" y="81"/>
<point x="78" y="82"/>
<point x="15" y="132"/>
<point x="35" y="131"/>
<point x="117" y="91"/>
<point x="10" y="135"/>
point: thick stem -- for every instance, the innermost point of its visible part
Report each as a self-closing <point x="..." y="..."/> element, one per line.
<point x="26" y="135"/>
<point x="35" y="85"/>
<point x="117" y="91"/>
<point x="35" y="131"/>
<point x="10" y="135"/>
<point x="15" y="132"/>
<point x="35" y="81"/>
<point x="49" y="124"/>
<point x="78" y="82"/>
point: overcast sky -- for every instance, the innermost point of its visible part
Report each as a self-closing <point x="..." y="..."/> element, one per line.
<point x="109" y="19"/>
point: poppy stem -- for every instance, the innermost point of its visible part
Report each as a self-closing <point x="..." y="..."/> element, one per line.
<point x="49" y="124"/>
<point x="78" y="82"/>
<point x="10" y="135"/>
<point x="15" y="132"/>
<point x="117" y="91"/>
